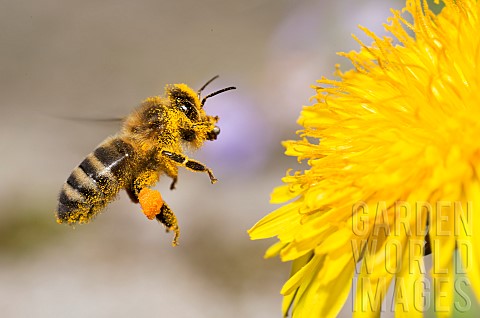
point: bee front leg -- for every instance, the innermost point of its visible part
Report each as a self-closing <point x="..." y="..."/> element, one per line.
<point x="189" y="163"/>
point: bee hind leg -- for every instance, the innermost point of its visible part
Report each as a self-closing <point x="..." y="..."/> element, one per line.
<point x="169" y="220"/>
<point x="151" y="202"/>
<point x="153" y="206"/>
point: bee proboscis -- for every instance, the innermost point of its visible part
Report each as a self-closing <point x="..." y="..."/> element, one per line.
<point x="149" y="144"/>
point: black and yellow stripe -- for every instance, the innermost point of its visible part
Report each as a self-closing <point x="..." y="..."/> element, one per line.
<point x="96" y="181"/>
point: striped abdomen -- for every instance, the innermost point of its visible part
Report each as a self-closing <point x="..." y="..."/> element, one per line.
<point x="96" y="181"/>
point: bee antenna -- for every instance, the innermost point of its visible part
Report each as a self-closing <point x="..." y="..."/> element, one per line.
<point x="216" y="93"/>
<point x="205" y="85"/>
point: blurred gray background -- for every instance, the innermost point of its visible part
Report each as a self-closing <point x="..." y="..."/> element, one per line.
<point x="63" y="61"/>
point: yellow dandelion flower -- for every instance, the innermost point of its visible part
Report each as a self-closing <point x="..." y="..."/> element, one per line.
<point x="393" y="149"/>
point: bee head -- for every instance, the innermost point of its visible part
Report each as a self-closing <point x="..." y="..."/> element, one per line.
<point x="183" y="98"/>
<point x="189" y="102"/>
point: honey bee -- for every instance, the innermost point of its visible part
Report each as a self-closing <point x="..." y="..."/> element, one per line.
<point x="150" y="143"/>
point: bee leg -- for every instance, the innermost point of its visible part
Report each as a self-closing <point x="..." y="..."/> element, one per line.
<point x="174" y="181"/>
<point x="153" y="206"/>
<point x="169" y="220"/>
<point x="150" y="200"/>
<point x="143" y="180"/>
<point x="171" y="170"/>
<point x="132" y="195"/>
<point x="189" y="163"/>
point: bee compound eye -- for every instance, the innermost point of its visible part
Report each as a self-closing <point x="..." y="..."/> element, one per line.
<point x="216" y="130"/>
<point x="188" y="109"/>
<point x="183" y="108"/>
